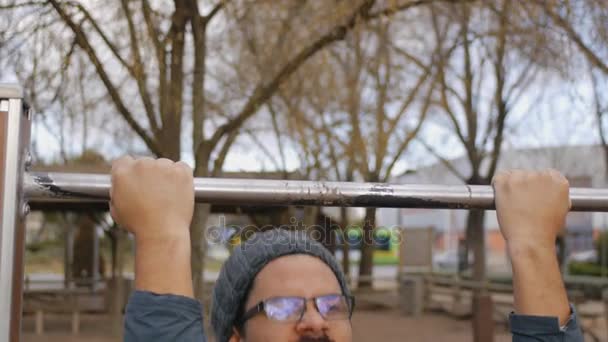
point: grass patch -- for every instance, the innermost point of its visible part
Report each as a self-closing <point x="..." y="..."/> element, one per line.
<point x="586" y="269"/>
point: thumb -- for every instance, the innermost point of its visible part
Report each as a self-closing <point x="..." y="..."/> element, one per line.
<point x="113" y="212"/>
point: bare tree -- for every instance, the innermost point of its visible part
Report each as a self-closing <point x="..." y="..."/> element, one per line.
<point x="583" y="23"/>
<point x="372" y="98"/>
<point x="484" y="71"/>
<point x="319" y="136"/>
<point x="479" y="86"/>
<point x="600" y="109"/>
<point x="152" y="61"/>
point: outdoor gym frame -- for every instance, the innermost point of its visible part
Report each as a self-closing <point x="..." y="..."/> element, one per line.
<point x="19" y="188"/>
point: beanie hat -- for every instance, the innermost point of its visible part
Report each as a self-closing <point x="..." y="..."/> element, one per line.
<point x="247" y="260"/>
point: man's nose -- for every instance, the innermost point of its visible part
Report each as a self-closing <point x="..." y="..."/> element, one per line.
<point x="312" y="323"/>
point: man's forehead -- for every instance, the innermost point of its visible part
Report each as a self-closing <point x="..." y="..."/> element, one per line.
<point x="295" y="275"/>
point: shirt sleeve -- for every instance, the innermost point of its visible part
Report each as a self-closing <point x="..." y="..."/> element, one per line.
<point x="152" y="317"/>
<point x="545" y="329"/>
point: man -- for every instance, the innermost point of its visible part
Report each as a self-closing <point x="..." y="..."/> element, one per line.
<point x="281" y="286"/>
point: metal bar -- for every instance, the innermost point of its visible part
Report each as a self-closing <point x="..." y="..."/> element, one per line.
<point x="89" y="188"/>
<point x="14" y="139"/>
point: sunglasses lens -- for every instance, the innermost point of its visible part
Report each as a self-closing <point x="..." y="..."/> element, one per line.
<point x="284" y="308"/>
<point x="333" y="307"/>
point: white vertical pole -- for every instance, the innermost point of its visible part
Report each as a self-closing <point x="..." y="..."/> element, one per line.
<point x="14" y="139"/>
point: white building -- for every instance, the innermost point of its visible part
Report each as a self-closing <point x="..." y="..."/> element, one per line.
<point x="583" y="165"/>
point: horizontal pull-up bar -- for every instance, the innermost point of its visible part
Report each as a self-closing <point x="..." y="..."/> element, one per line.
<point x="89" y="188"/>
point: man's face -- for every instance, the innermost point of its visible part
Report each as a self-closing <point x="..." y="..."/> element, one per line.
<point x="301" y="276"/>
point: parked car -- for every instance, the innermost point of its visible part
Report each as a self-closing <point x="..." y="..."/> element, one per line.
<point x="448" y="260"/>
<point x="584" y="256"/>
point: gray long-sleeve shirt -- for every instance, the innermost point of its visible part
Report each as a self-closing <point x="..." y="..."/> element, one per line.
<point x="162" y="318"/>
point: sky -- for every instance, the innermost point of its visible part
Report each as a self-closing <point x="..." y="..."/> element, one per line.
<point x="561" y="119"/>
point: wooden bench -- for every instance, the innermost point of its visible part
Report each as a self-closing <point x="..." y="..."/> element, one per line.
<point x="62" y="301"/>
<point x="589" y="313"/>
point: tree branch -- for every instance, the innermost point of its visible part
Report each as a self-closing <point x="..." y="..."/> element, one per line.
<point x="443" y="160"/>
<point x="265" y="90"/>
<point x="159" y="49"/>
<point x="408" y="102"/>
<point x="139" y="72"/>
<point x="84" y="43"/>
<point x="218" y="164"/>
<point x="411" y="135"/>
<point x="600" y="113"/>
<point x="101" y="33"/>
<point x="393" y="9"/>
<point x="23" y="4"/>
<point x="215" y="10"/>
<point x="502" y="107"/>
<point x="277" y="132"/>
<point x="575" y="37"/>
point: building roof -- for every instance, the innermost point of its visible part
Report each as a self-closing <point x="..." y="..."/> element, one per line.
<point x="576" y="161"/>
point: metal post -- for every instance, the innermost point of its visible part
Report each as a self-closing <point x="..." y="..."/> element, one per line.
<point x="95" y="267"/>
<point x="14" y="139"/>
<point x="89" y="189"/>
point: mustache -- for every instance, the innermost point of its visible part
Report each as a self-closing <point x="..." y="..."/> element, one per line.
<point x="324" y="338"/>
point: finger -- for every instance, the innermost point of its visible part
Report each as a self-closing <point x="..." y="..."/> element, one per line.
<point x="498" y="177"/>
<point x="143" y="163"/>
<point x="184" y="166"/>
<point x="164" y="161"/>
<point x="113" y="211"/>
<point x="144" y="159"/>
<point x="122" y="161"/>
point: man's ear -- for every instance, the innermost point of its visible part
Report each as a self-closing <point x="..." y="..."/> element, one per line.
<point x="236" y="336"/>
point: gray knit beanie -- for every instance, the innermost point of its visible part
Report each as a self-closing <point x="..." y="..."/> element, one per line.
<point x="241" y="268"/>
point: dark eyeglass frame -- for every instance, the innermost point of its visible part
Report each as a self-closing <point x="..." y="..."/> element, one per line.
<point x="260" y="307"/>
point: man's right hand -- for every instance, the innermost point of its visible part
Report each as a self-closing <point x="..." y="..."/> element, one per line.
<point x="152" y="198"/>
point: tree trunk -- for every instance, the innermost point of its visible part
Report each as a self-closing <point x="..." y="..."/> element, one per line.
<point x="83" y="251"/>
<point x="329" y="234"/>
<point x="68" y="254"/>
<point x="482" y="302"/>
<point x="476" y="243"/>
<point x="560" y="244"/>
<point x="198" y="243"/>
<point x="345" y="243"/>
<point x="310" y="220"/>
<point x="114" y="246"/>
<point x="118" y="291"/>
<point x="367" y="250"/>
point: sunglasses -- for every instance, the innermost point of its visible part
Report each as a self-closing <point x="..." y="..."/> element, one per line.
<point x="292" y="309"/>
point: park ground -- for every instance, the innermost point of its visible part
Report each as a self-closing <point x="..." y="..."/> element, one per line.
<point x="368" y="325"/>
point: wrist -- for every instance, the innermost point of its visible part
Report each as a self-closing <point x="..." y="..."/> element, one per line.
<point x="530" y="251"/>
<point x="162" y="264"/>
<point x="155" y="236"/>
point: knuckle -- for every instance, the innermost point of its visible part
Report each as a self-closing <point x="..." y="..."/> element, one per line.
<point x="164" y="162"/>
<point x="143" y="163"/>
<point x="185" y="168"/>
<point x="121" y="162"/>
<point x="119" y="172"/>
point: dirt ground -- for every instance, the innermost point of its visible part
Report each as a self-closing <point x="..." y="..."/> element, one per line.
<point x="385" y="325"/>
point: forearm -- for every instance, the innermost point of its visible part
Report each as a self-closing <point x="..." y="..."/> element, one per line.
<point x="162" y="264"/>
<point x="538" y="286"/>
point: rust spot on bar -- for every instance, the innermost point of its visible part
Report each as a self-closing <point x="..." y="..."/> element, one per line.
<point x="382" y="188"/>
<point x="390" y="201"/>
<point x="55" y="191"/>
<point x="470" y="191"/>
